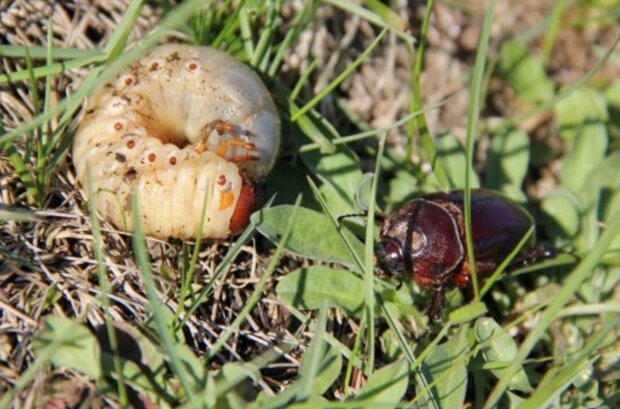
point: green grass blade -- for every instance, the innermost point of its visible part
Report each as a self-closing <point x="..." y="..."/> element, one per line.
<point x="341" y="77"/>
<point x="416" y="105"/>
<point x="582" y="359"/>
<point x="317" y="194"/>
<point x="373" y="18"/>
<point x="265" y="40"/>
<point x="315" y="352"/>
<point x="571" y="285"/>
<point x="515" y="120"/>
<point x="230" y="255"/>
<point x="155" y="304"/>
<point x="554" y="21"/>
<point x="105" y="290"/>
<point x="34" y="91"/>
<point x="34" y="369"/>
<point x="254" y="298"/>
<point x="52" y="69"/>
<point x="301" y="20"/>
<point x="303" y="78"/>
<point x="41" y="52"/>
<point x="173" y="19"/>
<point x="373" y="132"/>
<point x="42" y="175"/>
<point x="491" y="280"/>
<point x="246" y="31"/>
<point x="17" y="162"/>
<point x="117" y="42"/>
<point x="188" y="275"/>
<point x="369" y="249"/>
<point x="473" y="112"/>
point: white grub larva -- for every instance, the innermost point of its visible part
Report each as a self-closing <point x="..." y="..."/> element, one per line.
<point x="183" y="127"/>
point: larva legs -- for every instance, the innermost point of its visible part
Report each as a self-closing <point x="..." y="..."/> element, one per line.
<point x="228" y="141"/>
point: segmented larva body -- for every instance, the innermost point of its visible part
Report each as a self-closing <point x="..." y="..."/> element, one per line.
<point x="184" y="127"/>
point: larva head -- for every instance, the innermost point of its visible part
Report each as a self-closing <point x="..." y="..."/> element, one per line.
<point x="245" y="206"/>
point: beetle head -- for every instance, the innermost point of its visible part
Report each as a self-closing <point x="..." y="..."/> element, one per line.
<point x="389" y="254"/>
<point x="422" y="239"/>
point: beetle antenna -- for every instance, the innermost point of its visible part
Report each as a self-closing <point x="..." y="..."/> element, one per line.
<point x="535" y="256"/>
<point x="379" y="217"/>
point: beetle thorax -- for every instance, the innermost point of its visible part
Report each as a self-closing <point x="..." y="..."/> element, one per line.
<point x="430" y="237"/>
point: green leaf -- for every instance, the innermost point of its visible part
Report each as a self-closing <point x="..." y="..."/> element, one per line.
<point x="328" y="371"/>
<point x="452" y="156"/>
<point x="288" y="182"/>
<point x="589" y="147"/>
<point x="599" y="199"/>
<point x="137" y="352"/>
<point x="612" y="95"/>
<point x="191" y="364"/>
<point x="585" y="105"/>
<point x="243" y="393"/>
<point x="524" y="72"/>
<point x="307" y="288"/>
<point x="468" y="312"/>
<point x="562" y="216"/>
<point x="498" y="347"/>
<point x="446" y="372"/>
<point x="17" y="215"/>
<point x="574" y="369"/>
<point x="582" y="116"/>
<point x="74" y="345"/>
<point x="340" y="175"/>
<point x="313" y="234"/>
<point x="507" y="162"/>
<point x="386" y="386"/>
<point x="143" y="381"/>
<point x="401" y="187"/>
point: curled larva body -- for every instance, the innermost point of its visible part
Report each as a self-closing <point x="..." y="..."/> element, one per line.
<point x="184" y="127"/>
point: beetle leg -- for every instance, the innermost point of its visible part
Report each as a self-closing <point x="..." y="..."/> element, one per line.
<point x="535" y="256"/>
<point x="434" y="311"/>
<point x="461" y="277"/>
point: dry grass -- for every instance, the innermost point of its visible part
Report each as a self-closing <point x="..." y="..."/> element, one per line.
<point x="48" y="265"/>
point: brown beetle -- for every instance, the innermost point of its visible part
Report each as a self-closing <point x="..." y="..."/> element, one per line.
<point x="425" y="239"/>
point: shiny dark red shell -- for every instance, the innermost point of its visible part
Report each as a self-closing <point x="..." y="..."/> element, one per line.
<point x="431" y="234"/>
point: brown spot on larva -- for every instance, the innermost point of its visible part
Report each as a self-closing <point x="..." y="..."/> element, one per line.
<point x="173" y="160"/>
<point x="154" y="66"/>
<point x="131" y="144"/>
<point x="128" y="81"/>
<point x="152" y="157"/>
<point x="173" y="57"/>
<point x="90" y="111"/>
<point x="130" y="175"/>
<point x="120" y="157"/>
<point x="221" y="180"/>
<point x="192" y="66"/>
<point x="118" y="126"/>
